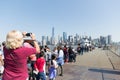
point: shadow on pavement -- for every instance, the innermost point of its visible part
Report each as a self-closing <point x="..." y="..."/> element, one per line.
<point x="105" y="71"/>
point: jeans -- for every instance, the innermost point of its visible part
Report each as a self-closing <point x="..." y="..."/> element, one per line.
<point x="41" y="75"/>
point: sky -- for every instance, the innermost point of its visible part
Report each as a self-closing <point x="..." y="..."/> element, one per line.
<point x="86" y="17"/>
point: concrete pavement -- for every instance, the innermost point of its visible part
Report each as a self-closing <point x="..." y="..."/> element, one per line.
<point x="94" y="65"/>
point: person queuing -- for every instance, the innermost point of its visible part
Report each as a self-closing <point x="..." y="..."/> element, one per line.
<point x="15" y="56"/>
<point x="66" y="55"/>
<point x="60" y="59"/>
<point x="53" y="68"/>
<point x="48" y="58"/>
<point x="39" y="67"/>
<point x="72" y="55"/>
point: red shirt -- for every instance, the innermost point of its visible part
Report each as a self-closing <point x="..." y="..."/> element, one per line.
<point x="16" y="67"/>
<point x="40" y="64"/>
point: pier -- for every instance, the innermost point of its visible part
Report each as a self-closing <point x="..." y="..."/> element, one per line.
<point x="98" y="64"/>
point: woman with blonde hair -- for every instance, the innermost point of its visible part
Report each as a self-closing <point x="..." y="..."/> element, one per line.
<point x="15" y="56"/>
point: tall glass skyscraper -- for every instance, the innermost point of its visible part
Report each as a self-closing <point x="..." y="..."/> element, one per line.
<point x="64" y="37"/>
<point x="52" y="32"/>
<point x="52" y="39"/>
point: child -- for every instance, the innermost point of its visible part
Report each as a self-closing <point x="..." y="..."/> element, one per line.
<point x="52" y="69"/>
<point x="39" y="67"/>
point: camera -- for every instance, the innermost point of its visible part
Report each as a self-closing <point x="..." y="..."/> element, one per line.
<point x="28" y="34"/>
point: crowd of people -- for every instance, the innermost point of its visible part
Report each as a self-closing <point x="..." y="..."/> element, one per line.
<point x="56" y="58"/>
<point x="25" y="59"/>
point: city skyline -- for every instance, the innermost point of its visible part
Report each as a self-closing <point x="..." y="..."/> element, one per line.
<point x="85" y="17"/>
<point x="76" y="39"/>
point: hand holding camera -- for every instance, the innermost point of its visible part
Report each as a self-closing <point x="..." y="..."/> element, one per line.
<point x="32" y="40"/>
<point x="32" y="36"/>
<point x="25" y="34"/>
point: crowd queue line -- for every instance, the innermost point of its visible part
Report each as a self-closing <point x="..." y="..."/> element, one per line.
<point x="17" y="52"/>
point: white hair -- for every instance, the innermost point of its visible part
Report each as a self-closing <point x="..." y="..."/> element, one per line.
<point x="14" y="39"/>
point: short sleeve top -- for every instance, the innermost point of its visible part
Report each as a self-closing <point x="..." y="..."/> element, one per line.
<point x="16" y="66"/>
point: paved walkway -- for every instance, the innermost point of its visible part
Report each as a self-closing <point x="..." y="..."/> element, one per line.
<point x="94" y="65"/>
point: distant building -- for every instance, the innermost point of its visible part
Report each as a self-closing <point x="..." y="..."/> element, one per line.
<point x="43" y="40"/>
<point x="53" y="36"/>
<point x="76" y="39"/>
<point x="109" y="39"/>
<point x="102" y="40"/>
<point x="64" y="37"/>
<point x="48" y="40"/>
<point x="90" y="38"/>
<point x="70" y="39"/>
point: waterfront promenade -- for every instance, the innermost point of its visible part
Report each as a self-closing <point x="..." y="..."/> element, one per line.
<point x="95" y="65"/>
<point x="98" y="64"/>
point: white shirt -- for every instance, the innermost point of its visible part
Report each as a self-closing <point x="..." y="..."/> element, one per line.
<point x="61" y="53"/>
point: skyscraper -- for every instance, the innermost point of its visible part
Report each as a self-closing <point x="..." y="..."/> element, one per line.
<point x="65" y="37"/>
<point x="53" y="38"/>
<point x="52" y="32"/>
<point x="109" y="39"/>
<point x="43" y="40"/>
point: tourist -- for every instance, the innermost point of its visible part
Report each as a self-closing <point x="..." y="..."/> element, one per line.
<point x="39" y="67"/>
<point x="60" y="59"/>
<point x="15" y="56"/>
<point x="72" y="55"/>
<point x="53" y="67"/>
<point x="65" y="50"/>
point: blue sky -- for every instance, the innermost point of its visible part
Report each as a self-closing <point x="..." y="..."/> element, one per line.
<point x="85" y="17"/>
